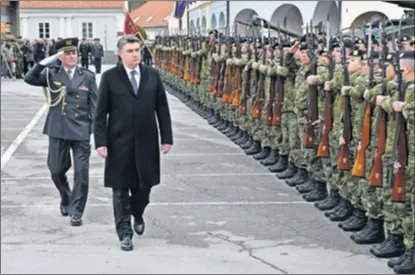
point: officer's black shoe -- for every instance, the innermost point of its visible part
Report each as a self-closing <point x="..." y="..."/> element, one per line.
<point x="392" y="247"/>
<point x="407" y="266"/>
<point x="307" y="186"/>
<point x="76" y="221"/>
<point x="265" y="152"/>
<point x="64" y="210"/>
<point x="330" y="202"/>
<point x="300" y="177"/>
<point x="356" y="222"/>
<point x="398" y="261"/>
<point x="126" y="244"/>
<point x="139" y="226"/>
<point x="280" y="166"/>
<point x="372" y="233"/>
<point x="248" y="143"/>
<point x="343" y="213"/>
<point x="271" y="159"/>
<point x="254" y="149"/>
<point x="288" y="173"/>
<point x="318" y="194"/>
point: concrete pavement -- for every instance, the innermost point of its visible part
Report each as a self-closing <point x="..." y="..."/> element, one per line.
<point x="216" y="211"/>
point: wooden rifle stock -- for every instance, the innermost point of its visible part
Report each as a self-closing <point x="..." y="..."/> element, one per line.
<point x="343" y="162"/>
<point x="186" y="70"/>
<point x="398" y="184"/>
<point x="257" y="107"/>
<point x="376" y="174"/>
<point x="269" y="108"/>
<point x="360" y="162"/>
<point x="276" y="118"/>
<point x="228" y="89"/>
<point x="323" y="146"/>
<point x="243" y="105"/>
<point x="237" y="91"/>
<point x="221" y="76"/>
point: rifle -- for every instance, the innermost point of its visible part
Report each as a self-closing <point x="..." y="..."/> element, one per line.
<point x="343" y="162"/>
<point x="359" y="167"/>
<point x="238" y="75"/>
<point x="399" y="149"/>
<point x="228" y="90"/>
<point x="270" y="104"/>
<point x="221" y="74"/>
<point x="323" y="146"/>
<point x="308" y="136"/>
<point x="276" y="118"/>
<point x="243" y="105"/>
<point x="186" y="75"/>
<point x="212" y="86"/>
<point x="376" y="173"/>
<point x="259" y="96"/>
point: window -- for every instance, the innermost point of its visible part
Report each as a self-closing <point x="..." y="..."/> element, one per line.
<point x="149" y="19"/>
<point x="166" y="18"/>
<point x="44" y="30"/>
<point x="137" y="19"/>
<point x="87" y="30"/>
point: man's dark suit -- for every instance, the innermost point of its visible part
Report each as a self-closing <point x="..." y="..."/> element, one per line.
<point x="131" y="137"/>
<point x="69" y="125"/>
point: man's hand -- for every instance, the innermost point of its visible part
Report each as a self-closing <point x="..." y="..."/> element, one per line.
<point x="310" y="79"/>
<point x="380" y="99"/>
<point x="102" y="152"/>
<point x="342" y="141"/>
<point x="316" y="124"/>
<point x="327" y="86"/>
<point x="165" y="148"/>
<point x="396" y="167"/>
<point x="345" y="90"/>
<point x="359" y="146"/>
<point x="295" y="47"/>
<point x="398" y="106"/>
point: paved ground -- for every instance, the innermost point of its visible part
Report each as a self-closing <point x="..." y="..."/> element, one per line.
<point x="217" y="211"/>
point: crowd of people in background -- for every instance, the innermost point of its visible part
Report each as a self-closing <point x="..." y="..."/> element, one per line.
<point x="18" y="57"/>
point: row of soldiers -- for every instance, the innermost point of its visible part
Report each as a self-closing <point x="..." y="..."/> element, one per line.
<point x="329" y="117"/>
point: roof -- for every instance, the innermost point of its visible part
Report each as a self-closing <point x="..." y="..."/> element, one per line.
<point x="403" y="4"/>
<point x="153" y="13"/>
<point x="68" y="4"/>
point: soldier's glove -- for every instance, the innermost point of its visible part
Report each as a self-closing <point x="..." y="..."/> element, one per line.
<point x="49" y="60"/>
<point x="92" y="141"/>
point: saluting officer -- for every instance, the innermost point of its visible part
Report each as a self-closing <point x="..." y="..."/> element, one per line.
<point x="71" y="93"/>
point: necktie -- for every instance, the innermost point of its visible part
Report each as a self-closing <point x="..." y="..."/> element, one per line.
<point x="134" y="82"/>
<point x="69" y="74"/>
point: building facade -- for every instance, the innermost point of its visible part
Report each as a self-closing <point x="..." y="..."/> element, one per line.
<point x="291" y="15"/>
<point x="9" y="14"/>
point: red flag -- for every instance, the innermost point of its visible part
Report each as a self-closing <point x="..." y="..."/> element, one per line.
<point x="129" y="25"/>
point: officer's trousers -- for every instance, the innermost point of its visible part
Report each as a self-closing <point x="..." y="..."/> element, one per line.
<point x="59" y="162"/>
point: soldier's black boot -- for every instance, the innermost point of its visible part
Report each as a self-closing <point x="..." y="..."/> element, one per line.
<point x="280" y="166"/>
<point x="223" y="126"/>
<point x="356" y="222"/>
<point x="254" y="149"/>
<point x="343" y="213"/>
<point x="398" y="261"/>
<point x="213" y="119"/>
<point x="234" y="132"/>
<point x="272" y="158"/>
<point x="334" y="209"/>
<point x="307" y="186"/>
<point x="318" y="194"/>
<point x="372" y="233"/>
<point x="392" y="247"/>
<point x="218" y="122"/>
<point x="242" y="139"/>
<point x="299" y="178"/>
<point x="408" y="265"/>
<point x="228" y="129"/>
<point x="237" y="136"/>
<point x="288" y="173"/>
<point x="265" y="152"/>
<point x="249" y="142"/>
<point x="330" y="202"/>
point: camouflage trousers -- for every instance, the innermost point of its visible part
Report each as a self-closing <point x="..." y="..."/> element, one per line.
<point x="331" y="174"/>
<point x="243" y="122"/>
<point x="288" y="121"/>
<point x="274" y="138"/>
<point x="306" y="158"/>
<point x="255" y="128"/>
<point x="399" y="217"/>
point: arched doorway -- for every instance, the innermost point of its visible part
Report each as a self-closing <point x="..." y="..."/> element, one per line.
<point x="327" y="11"/>
<point x="367" y="17"/>
<point x="289" y="17"/>
<point x="203" y="24"/>
<point x="245" y="16"/>
<point x="192" y="27"/>
<point x="213" y="22"/>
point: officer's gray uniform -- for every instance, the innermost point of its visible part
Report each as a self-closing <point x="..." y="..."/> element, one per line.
<point x="69" y="124"/>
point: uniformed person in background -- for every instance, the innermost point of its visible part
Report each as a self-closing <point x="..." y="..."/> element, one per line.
<point x="97" y="54"/>
<point x="71" y="93"/>
<point x="84" y="52"/>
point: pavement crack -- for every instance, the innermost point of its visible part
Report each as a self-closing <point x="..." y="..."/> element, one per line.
<point x="243" y="247"/>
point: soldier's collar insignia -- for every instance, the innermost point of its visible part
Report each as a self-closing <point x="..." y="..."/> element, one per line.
<point x="57" y="83"/>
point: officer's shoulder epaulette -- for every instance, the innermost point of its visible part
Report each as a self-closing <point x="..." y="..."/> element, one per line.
<point x="85" y="70"/>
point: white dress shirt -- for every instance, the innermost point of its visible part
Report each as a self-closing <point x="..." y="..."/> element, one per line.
<point x="137" y="75"/>
<point x="72" y="72"/>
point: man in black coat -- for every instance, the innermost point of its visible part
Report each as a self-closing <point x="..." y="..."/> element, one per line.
<point x="132" y="96"/>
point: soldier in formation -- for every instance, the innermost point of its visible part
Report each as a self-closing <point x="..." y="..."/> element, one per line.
<point x="332" y="115"/>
